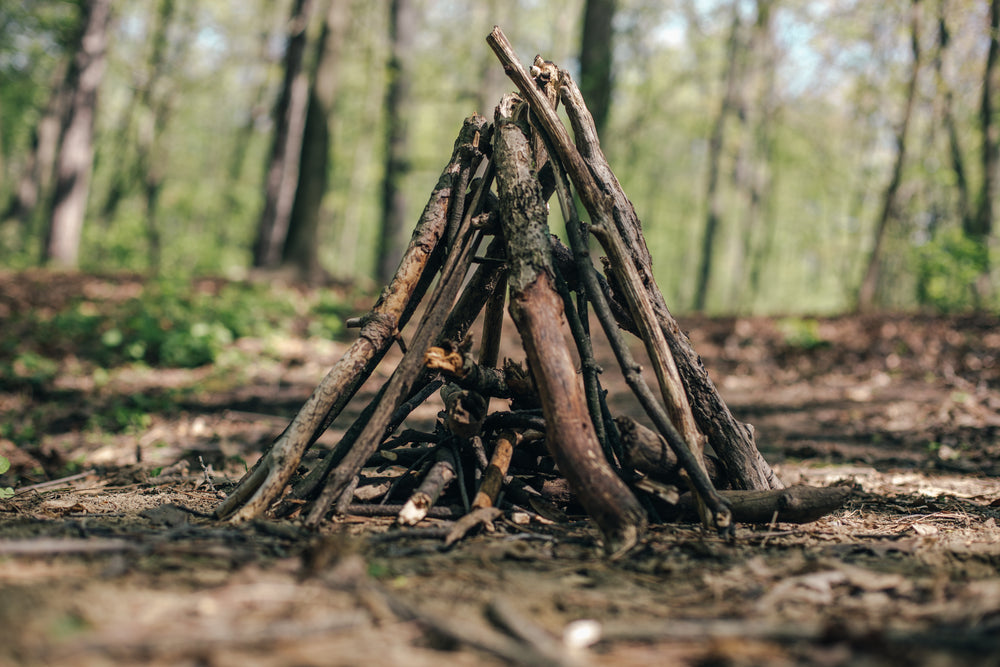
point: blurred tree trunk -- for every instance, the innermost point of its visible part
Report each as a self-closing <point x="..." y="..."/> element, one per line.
<point x="402" y="26"/>
<point x="948" y="117"/>
<point x="492" y="80"/>
<point x="258" y="109"/>
<point x="869" y="284"/>
<point x="753" y="166"/>
<point x="159" y="101"/>
<point x="283" y="164"/>
<point x="302" y="245"/>
<point x="75" y="159"/>
<point x="36" y="176"/>
<point x="716" y="144"/>
<point x="353" y="219"/>
<point x="980" y="228"/>
<point x="596" y="58"/>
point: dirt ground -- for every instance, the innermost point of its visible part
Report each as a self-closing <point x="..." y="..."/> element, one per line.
<point x="101" y="567"/>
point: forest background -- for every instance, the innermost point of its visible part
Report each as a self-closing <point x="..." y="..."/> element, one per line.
<point x="785" y="156"/>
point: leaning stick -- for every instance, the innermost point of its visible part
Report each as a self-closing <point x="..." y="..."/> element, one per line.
<point x="603" y="227"/>
<point x="431" y="326"/>
<point x="732" y="440"/>
<point x="266" y="482"/>
<point x="537" y="312"/>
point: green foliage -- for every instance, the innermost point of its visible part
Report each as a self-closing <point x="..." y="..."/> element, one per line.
<point x="814" y="134"/>
<point x="30" y="368"/>
<point x="947" y="268"/>
<point x="802" y="333"/>
<point x="169" y="324"/>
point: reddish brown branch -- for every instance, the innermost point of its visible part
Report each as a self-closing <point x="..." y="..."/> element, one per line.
<point x="538" y="313"/>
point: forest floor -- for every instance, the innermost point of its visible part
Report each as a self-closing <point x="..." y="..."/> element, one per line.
<point x="98" y="566"/>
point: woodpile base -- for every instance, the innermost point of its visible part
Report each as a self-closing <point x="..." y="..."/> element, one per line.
<point x="557" y="445"/>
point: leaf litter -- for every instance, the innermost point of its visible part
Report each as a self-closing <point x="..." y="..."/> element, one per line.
<point x="115" y="564"/>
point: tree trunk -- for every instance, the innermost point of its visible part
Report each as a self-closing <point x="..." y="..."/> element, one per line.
<point x="36" y="177"/>
<point x="982" y="226"/>
<point x="756" y="158"/>
<point x="948" y="119"/>
<point x="716" y="143"/>
<point x="402" y="26"/>
<point x="302" y="245"/>
<point x="76" y="152"/>
<point x="283" y="165"/>
<point x="596" y="58"/>
<point x="870" y="282"/>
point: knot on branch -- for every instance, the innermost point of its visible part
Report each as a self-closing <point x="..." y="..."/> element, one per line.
<point x="379" y="326"/>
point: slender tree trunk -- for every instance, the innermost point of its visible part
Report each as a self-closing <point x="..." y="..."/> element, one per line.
<point x="36" y="176"/>
<point x="754" y="163"/>
<point x="948" y="119"/>
<point x="401" y="32"/>
<point x="869" y="284"/>
<point x="982" y="226"/>
<point x="596" y="58"/>
<point x="492" y="82"/>
<point x="716" y="143"/>
<point x="364" y="153"/>
<point x="283" y="165"/>
<point x="302" y="245"/>
<point x="76" y="152"/>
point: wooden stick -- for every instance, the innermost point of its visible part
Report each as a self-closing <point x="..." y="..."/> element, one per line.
<point x="267" y="481"/>
<point x="482" y="516"/>
<point x="390" y="510"/>
<point x="537" y="311"/>
<point x="46" y="546"/>
<point x="793" y="504"/>
<point x="732" y="440"/>
<point x="492" y="482"/>
<point x="437" y="479"/>
<point x="645" y="450"/>
<point x="431" y="326"/>
<point x="503" y="614"/>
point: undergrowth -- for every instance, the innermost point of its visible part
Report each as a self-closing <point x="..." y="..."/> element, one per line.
<point x="168" y="324"/>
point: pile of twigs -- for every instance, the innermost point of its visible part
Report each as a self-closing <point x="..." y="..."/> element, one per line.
<point x="556" y="414"/>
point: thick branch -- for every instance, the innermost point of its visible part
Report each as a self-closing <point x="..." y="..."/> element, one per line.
<point x="537" y="312"/>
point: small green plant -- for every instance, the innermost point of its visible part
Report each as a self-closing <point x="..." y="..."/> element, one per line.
<point x="802" y="333"/>
<point x="5" y="491"/>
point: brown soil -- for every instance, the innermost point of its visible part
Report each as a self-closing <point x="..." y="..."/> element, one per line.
<point x="103" y="569"/>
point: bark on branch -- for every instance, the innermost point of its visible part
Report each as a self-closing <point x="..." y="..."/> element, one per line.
<point x="616" y="226"/>
<point x="266" y="482"/>
<point x="538" y="313"/>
